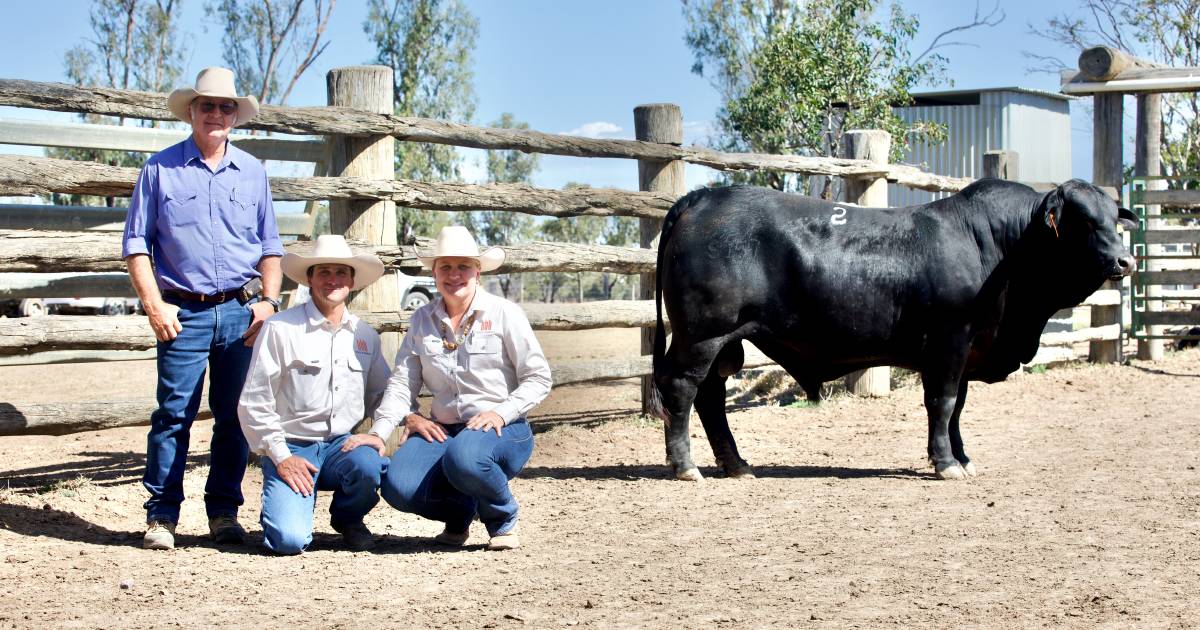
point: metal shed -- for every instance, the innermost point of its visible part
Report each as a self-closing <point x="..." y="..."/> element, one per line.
<point x="1035" y="124"/>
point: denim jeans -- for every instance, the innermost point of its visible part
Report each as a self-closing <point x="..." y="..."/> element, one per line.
<point x="287" y="517"/>
<point x="451" y="481"/>
<point x="211" y="339"/>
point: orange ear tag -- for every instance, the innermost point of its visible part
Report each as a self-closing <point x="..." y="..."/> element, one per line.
<point x="1053" y="224"/>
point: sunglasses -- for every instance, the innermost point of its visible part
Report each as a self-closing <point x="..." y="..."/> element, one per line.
<point x="227" y="109"/>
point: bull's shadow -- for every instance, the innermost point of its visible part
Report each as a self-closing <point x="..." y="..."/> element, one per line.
<point x="638" y="471"/>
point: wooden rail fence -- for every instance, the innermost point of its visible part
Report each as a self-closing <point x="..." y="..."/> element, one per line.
<point x="86" y="243"/>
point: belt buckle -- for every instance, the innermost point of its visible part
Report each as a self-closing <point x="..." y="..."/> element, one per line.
<point x="220" y="298"/>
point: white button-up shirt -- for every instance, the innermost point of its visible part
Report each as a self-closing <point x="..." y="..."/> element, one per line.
<point x="309" y="380"/>
<point x="498" y="367"/>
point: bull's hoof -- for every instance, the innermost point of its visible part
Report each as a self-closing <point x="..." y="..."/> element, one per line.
<point x="742" y="471"/>
<point x="969" y="468"/>
<point x="951" y="471"/>
<point x="690" y="474"/>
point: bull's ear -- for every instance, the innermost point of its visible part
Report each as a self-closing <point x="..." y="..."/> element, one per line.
<point x="1127" y="219"/>
<point x="1052" y="207"/>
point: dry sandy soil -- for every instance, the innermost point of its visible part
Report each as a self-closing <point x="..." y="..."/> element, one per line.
<point x="1086" y="513"/>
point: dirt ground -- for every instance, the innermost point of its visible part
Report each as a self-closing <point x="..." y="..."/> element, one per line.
<point x="1086" y="513"/>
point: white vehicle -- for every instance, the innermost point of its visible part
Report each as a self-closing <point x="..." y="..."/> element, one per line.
<point x="26" y="307"/>
<point x="414" y="291"/>
<point x="91" y="306"/>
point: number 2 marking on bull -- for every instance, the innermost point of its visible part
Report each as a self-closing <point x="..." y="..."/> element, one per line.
<point x="838" y="217"/>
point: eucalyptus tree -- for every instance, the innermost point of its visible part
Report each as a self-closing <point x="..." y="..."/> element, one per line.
<point x="265" y="42"/>
<point x="795" y="77"/>
<point x="134" y="45"/>
<point x="428" y="44"/>
<point x="1164" y="31"/>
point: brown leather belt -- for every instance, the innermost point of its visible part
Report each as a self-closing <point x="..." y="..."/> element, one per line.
<point x="188" y="296"/>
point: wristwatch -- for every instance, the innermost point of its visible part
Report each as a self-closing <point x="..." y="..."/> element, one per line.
<point x="270" y="300"/>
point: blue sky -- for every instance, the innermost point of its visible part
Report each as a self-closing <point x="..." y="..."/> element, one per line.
<point x="566" y="66"/>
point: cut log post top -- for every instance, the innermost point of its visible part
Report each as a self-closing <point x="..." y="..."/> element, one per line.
<point x="1102" y="63"/>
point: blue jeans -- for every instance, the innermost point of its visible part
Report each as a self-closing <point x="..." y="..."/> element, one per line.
<point x="451" y="481"/>
<point x="211" y="338"/>
<point x="287" y="517"/>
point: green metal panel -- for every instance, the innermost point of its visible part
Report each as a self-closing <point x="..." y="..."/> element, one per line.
<point x="1178" y="208"/>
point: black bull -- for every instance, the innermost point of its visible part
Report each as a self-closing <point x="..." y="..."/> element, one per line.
<point x="958" y="290"/>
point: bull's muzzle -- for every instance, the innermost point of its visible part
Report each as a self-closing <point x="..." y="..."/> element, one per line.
<point x="1122" y="266"/>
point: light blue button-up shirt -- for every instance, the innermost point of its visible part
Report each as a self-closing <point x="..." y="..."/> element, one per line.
<point x="205" y="230"/>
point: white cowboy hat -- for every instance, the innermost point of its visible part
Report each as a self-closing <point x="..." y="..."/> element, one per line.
<point x="456" y="240"/>
<point x="332" y="249"/>
<point x="217" y="83"/>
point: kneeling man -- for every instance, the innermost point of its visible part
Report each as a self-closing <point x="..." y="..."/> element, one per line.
<point x="317" y="371"/>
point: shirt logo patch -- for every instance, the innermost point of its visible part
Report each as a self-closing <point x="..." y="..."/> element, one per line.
<point x="486" y="325"/>
<point x="360" y="345"/>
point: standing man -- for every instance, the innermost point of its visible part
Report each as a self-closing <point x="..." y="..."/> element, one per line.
<point x="199" y="238"/>
<point x="317" y="372"/>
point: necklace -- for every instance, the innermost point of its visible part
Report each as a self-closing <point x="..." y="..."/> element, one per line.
<point x="454" y="342"/>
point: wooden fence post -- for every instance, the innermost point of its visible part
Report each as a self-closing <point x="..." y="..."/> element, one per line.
<point x="1148" y="161"/>
<point x="656" y="122"/>
<point x="1107" y="171"/>
<point x="873" y="145"/>
<point x="373" y="157"/>
<point x="1002" y="165"/>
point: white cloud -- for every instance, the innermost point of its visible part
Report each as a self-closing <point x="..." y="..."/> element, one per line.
<point x="595" y="130"/>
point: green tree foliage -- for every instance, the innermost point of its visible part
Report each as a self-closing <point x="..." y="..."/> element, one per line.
<point x="1165" y="31"/>
<point x="796" y="76"/>
<point x="498" y="227"/>
<point x="582" y="229"/>
<point x="618" y="232"/>
<point x="266" y="40"/>
<point x="135" y="45"/>
<point x="428" y="44"/>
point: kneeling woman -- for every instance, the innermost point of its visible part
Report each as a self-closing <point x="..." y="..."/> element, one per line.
<point x="477" y="355"/>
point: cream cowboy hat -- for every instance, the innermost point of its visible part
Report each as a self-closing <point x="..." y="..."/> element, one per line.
<point x="332" y="249"/>
<point x="456" y="240"/>
<point x="217" y="83"/>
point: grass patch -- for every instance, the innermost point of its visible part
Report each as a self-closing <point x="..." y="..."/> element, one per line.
<point x="66" y="487"/>
<point x="642" y="421"/>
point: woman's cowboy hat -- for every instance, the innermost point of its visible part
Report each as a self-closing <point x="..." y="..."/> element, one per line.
<point x="456" y="240"/>
<point x="331" y="249"/>
<point x="217" y="83"/>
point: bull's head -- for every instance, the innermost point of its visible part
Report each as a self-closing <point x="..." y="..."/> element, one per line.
<point x="1081" y="223"/>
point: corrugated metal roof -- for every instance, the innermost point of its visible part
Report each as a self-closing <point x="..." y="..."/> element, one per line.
<point x="952" y="94"/>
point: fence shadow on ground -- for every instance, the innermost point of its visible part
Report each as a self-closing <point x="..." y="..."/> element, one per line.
<point x="70" y="527"/>
<point x="644" y="471"/>
<point x="66" y="526"/>
<point x="1150" y="370"/>
<point x="587" y="420"/>
<point x="102" y="468"/>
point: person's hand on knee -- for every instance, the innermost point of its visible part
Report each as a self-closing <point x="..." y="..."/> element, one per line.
<point x="297" y="473"/>
<point x="485" y="421"/>
<point x="416" y="424"/>
<point x="364" y="439"/>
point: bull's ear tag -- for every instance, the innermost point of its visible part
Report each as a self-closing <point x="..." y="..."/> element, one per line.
<point x="838" y="217"/>
<point x="1053" y="223"/>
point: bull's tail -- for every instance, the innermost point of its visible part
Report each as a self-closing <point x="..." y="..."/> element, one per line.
<point x="655" y="404"/>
